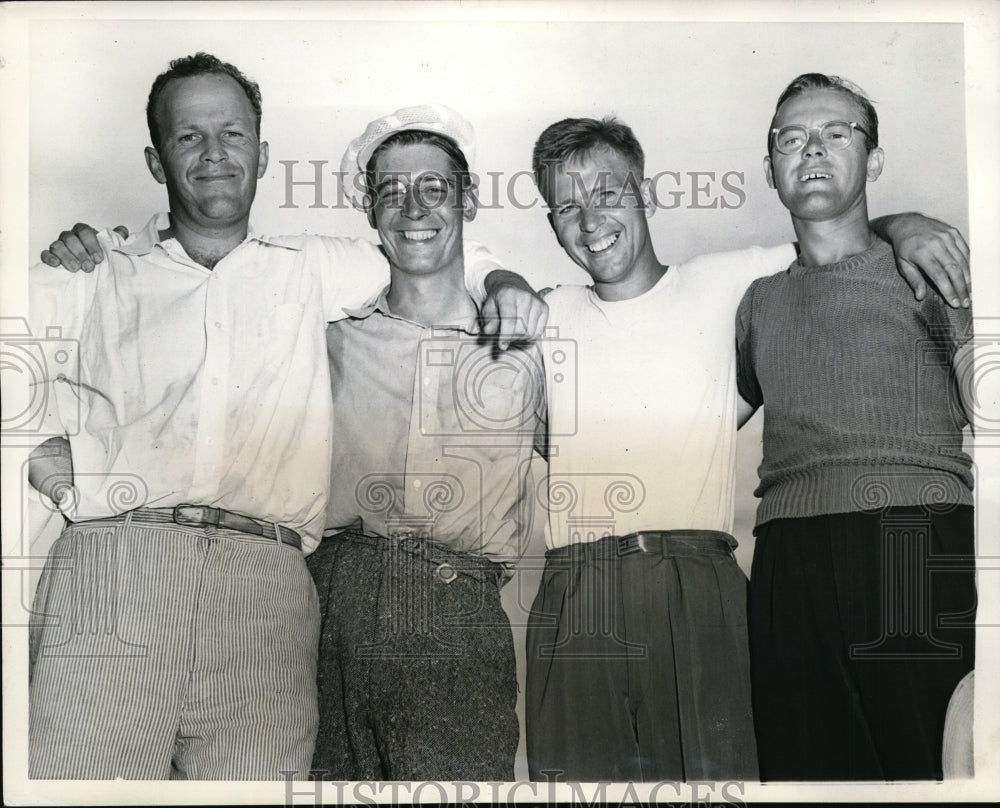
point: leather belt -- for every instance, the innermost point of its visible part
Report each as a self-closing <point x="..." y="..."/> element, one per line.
<point x="677" y="542"/>
<point x="659" y="542"/>
<point x="207" y="516"/>
<point x="447" y="564"/>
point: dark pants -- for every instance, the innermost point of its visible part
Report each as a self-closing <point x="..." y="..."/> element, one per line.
<point x="861" y="626"/>
<point x="638" y="667"/>
<point x="417" y="679"/>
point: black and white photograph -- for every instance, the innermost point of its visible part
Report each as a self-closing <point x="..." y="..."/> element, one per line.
<point x="500" y="402"/>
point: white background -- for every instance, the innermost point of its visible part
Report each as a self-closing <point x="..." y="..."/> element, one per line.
<point x="699" y="95"/>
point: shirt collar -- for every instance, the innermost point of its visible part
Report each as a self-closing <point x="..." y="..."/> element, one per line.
<point x="380" y="304"/>
<point x="143" y="242"/>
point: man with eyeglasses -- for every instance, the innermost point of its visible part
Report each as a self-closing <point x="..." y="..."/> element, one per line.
<point x="430" y="484"/>
<point x="638" y="665"/>
<point x="863" y="597"/>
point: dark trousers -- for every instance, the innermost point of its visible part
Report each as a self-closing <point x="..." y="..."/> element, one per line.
<point x="417" y="679"/>
<point x="638" y="667"/>
<point x="861" y="626"/>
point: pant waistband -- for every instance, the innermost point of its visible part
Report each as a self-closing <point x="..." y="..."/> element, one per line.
<point x="206" y="516"/>
<point x="666" y="543"/>
<point x="445" y="563"/>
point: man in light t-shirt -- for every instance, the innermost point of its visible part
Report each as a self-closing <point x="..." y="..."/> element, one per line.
<point x="638" y="667"/>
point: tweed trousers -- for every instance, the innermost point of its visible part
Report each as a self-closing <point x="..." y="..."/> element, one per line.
<point x="417" y="679"/>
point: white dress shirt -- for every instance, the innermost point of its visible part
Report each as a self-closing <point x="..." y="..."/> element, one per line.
<point x="179" y="384"/>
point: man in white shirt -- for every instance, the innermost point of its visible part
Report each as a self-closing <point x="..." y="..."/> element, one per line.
<point x="176" y="623"/>
<point x="638" y="667"/>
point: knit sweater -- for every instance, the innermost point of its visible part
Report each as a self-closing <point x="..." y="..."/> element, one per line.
<point x="861" y="409"/>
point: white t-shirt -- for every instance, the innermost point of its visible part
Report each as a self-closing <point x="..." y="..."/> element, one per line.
<point x="642" y="400"/>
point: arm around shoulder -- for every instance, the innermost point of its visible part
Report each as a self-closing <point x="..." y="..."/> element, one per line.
<point x="750" y="396"/>
<point x="351" y="270"/>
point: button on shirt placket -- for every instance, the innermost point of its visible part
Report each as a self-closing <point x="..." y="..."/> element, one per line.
<point x="211" y="433"/>
<point x="420" y="445"/>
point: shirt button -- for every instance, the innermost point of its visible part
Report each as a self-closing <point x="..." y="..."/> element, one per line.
<point x="218" y="324"/>
<point x="215" y="381"/>
<point x="416" y="483"/>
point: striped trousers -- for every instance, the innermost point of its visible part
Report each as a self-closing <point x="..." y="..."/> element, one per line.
<point x="165" y="651"/>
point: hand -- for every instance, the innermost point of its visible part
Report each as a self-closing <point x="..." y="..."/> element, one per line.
<point x="78" y="249"/>
<point x="50" y="468"/>
<point x="512" y="310"/>
<point x="931" y="248"/>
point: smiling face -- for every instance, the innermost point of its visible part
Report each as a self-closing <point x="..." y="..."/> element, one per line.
<point x="210" y="157"/>
<point x="599" y="211"/>
<point x="419" y="210"/>
<point x="820" y="183"/>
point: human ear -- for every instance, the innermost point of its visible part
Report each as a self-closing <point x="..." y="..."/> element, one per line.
<point x="154" y="165"/>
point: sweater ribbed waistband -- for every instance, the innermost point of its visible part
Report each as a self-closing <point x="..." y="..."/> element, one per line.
<point x="848" y="488"/>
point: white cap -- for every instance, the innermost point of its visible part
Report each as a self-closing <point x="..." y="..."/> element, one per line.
<point x="436" y="118"/>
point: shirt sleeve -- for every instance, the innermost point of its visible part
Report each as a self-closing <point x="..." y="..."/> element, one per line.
<point x="538" y="401"/>
<point x="351" y="271"/>
<point x="479" y="262"/>
<point x="49" y="349"/>
<point x="733" y="271"/>
<point x="759" y="262"/>
<point x="950" y="330"/>
<point x="354" y="270"/>
<point x="960" y="325"/>
<point x="746" y="374"/>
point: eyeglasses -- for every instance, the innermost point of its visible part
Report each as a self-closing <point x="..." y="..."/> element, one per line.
<point x="430" y="191"/>
<point x="833" y="134"/>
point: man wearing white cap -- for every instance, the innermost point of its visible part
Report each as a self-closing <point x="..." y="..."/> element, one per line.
<point x="431" y="476"/>
<point x="175" y="626"/>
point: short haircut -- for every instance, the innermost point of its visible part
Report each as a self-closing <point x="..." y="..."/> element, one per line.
<point x="571" y="138"/>
<point x="411" y="137"/>
<point x="821" y="81"/>
<point x="200" y="64"/>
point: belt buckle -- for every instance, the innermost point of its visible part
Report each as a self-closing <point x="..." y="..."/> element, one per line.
<point x="446" y="572"/>
<point x="641" y="542"/>
<point x="190" y="515"/>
